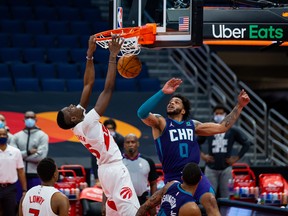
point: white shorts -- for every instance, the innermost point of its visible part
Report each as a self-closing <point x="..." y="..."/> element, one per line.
<point x="118" y="188"/>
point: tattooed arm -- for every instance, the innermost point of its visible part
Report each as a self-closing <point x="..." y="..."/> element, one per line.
<point x="153" y="201"/>
<point x="209" y="129"/>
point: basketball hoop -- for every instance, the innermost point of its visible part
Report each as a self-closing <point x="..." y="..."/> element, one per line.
<point x="133" y="37"/>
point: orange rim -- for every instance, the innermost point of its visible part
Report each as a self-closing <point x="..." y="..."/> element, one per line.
<point x="146" y="33"/>
<point x="123" y="32"/>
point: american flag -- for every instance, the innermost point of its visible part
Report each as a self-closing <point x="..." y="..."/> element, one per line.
<point x="184" y="23"/>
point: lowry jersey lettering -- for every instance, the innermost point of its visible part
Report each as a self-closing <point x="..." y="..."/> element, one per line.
<point x="36" y="199"/>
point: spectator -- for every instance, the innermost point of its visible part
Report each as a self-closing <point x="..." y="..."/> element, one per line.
<point x="142" y="169"/>
<point x="11" y="169"/>
<point x="33" y="144"/>
<point x="176" y="198"/>
<point x="110" y="124"/>
<point x="47" y="200"/>
<point x="3" y="124"/>
<point x="219" y="159"/>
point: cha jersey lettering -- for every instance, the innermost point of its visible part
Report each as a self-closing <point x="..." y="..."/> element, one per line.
<point x="176" y="147"/>
<point x="181" y="134"/>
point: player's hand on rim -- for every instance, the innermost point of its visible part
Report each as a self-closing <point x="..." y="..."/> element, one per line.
<point x="91" y="46"/>
<point x="115" y="45"/>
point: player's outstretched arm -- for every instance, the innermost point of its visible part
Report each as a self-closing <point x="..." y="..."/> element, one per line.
<point x="144" y="112"/>
<point x="89" y="75"/>
<point x="154" y="200"/>
<point x="209" y="129"/>
<point x="105" y="96"/>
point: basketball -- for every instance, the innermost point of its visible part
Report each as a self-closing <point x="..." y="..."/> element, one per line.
<point x="129" y="66"/>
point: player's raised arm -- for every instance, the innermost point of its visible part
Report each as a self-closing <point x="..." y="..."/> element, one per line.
<point x="144" y="112"/>
<point x="153" y="201"/>
<point x="89" y="75"/>
<point x="209" y="129"/>
<point x="105" y="96"/>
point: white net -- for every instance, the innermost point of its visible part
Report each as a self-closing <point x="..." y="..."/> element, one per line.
<point x="130" y="45"/>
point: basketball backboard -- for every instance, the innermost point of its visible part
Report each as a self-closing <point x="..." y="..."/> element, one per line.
<point x="179" y="22"/>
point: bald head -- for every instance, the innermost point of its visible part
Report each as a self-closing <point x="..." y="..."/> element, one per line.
<point x="131" y="145"/>
<point x="131" y="136"/>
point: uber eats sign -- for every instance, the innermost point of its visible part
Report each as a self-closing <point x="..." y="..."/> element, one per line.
<point x="246" y="32"/>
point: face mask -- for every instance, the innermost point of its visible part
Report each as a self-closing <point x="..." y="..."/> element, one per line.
<point x="30" y="123"/>
<point x="2" y="124"/>
<point x="112" y="133"/>
<point x="3" y="140"/>
<point x="219" y="118"/>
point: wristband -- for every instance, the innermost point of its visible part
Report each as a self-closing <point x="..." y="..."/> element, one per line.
<point x="89" y="58"/>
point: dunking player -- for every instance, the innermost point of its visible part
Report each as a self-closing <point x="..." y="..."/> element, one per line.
<point x="175" y="139"/>
<point x="113" y="174"/>
<point x="44" y="199"/>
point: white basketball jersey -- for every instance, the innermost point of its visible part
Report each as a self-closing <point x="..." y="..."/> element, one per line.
<point x="37" y="201"/>
<point x="97" y="139"/>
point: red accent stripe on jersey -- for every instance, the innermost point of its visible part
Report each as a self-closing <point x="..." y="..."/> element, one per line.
<point x="111" y="204"/>
<point x="93" y="151"/>
<point x="106" y="137"/>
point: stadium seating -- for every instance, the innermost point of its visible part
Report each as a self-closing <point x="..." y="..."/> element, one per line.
<point x="149" y="84"/>
<point x="22" y="40"/>
<point x="47" y="39"/>
<point x="78" y="55"/>
<point x="53" y="85"/>
<point x="35" y="27"/>
<point x="34" y="55"/>
<point x="22" y="13"/>
<point x="81" y="28"/>
<point x="126" y="85"/>
<point x="56" y="55"/>
<point x="5" y="13"/>
<point x="10" y="55"/>
<point x="99" y="85"/>
<point x="44" y="71"/>
<point x="68" y="14"/>
<point x="67" y="71"/>
<point x="12" y="26"/>
<point x="46" y="13"/>
<point x="21" y="70"/>
<point x="68" y="41"/>
<point x="5" y="40"/>
<point x="4" y="71"/>
<point x="58" y="27"/>
<point x="92" y="14"/>
<point x="27" y="84"/>
<point x="74" y="85"/>
<point x="6" y="84"/>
